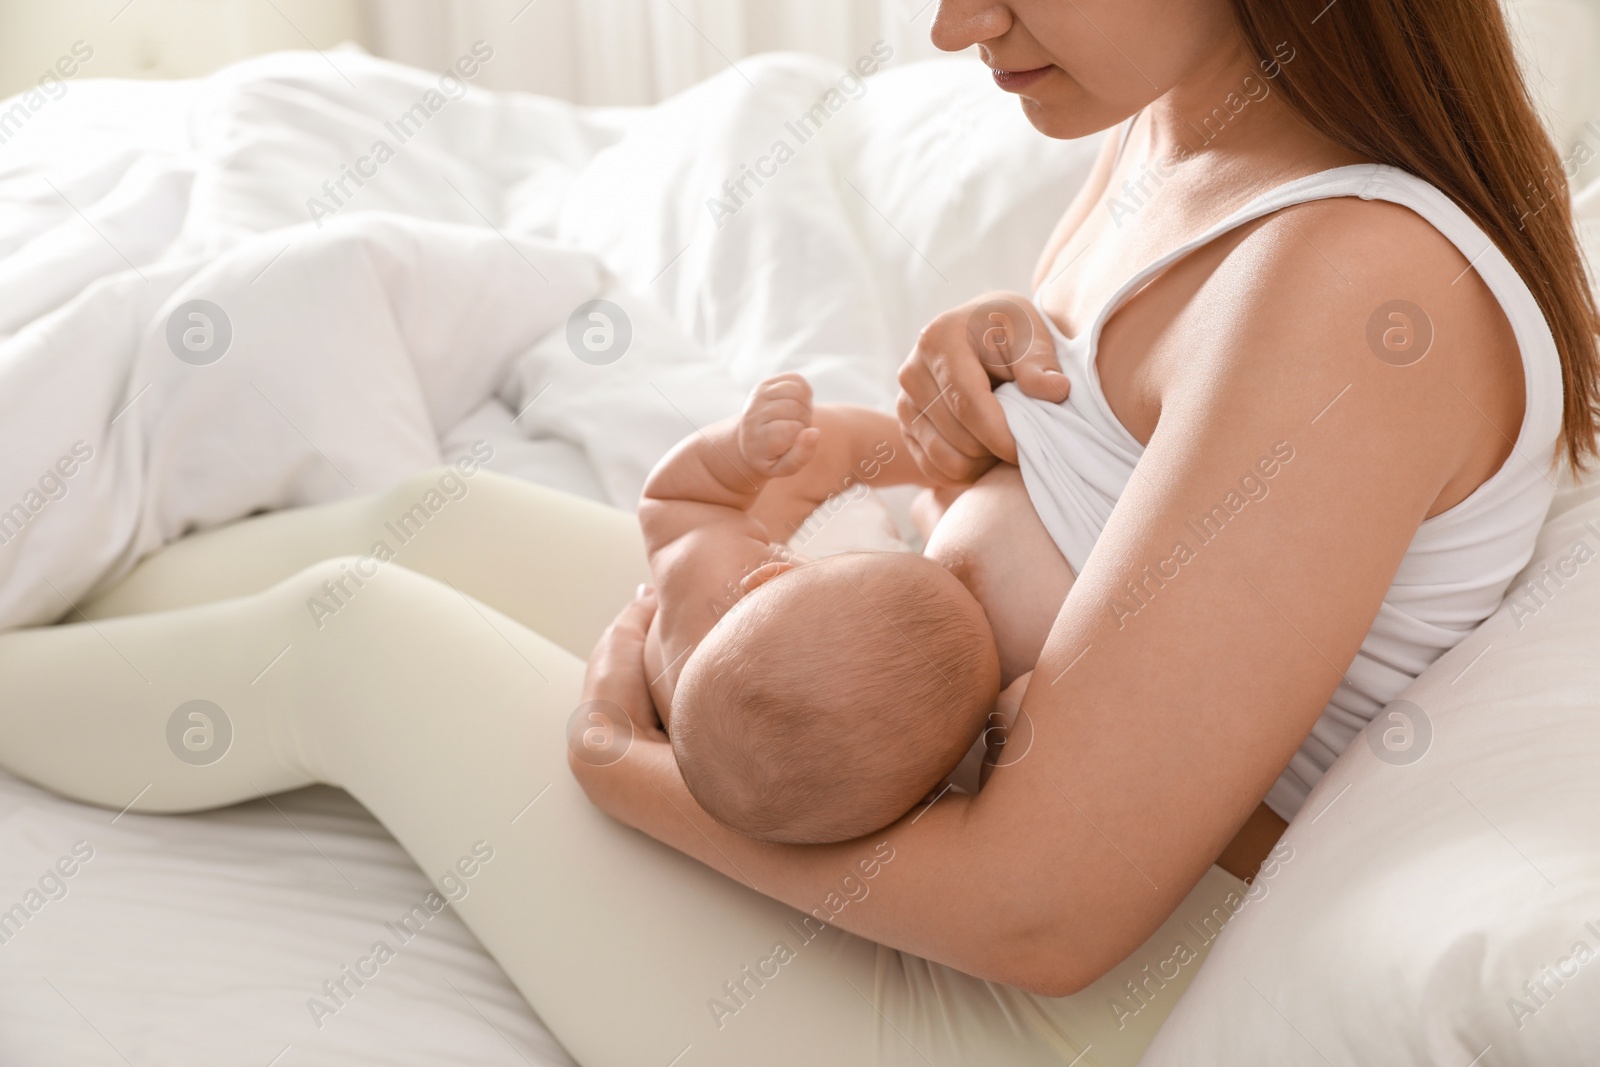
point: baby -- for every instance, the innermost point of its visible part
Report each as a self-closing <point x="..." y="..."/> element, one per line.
<point x="811" y="701"/>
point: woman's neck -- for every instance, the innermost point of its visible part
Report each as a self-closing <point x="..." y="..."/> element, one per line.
<point x="1234" y="107"/>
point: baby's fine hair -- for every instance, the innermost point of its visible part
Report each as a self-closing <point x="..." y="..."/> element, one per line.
<point x="839" y="706"/>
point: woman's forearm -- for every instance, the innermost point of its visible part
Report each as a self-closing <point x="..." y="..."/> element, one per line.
<point x="1014" y="885"/>
<point x="929" y="885"/>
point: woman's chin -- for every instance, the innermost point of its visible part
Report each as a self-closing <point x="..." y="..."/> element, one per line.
<point x="1055" y="120"/>
<point x="1064" y="120"/>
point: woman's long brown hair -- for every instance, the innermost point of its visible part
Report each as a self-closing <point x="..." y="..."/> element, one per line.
<point x="1432" y="87"/>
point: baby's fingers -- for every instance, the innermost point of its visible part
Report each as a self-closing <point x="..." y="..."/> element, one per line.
<point x="801" y="453"/>
<point x="770" y="410"/>
<point x="785" y="387"/>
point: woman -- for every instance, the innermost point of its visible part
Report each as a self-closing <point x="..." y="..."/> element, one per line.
<point x="1040" y="921"/>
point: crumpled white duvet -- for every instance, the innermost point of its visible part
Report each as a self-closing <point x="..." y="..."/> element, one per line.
<point x="356" y="329"/>
<point x="331" y="357"/>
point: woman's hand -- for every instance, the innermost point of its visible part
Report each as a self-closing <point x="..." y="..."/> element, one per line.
<point x="617" y="711"/>
<point x="952" y="423"/>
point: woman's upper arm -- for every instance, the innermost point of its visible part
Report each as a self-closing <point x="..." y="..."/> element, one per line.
<point x="1236" y="579"/>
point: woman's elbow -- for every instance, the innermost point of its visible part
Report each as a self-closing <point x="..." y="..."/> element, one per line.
<point x="1046" y="965"/>
<point x="1051" y="978"/>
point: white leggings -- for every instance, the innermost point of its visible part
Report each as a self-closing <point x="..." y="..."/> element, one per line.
<point x="436" y="689"/>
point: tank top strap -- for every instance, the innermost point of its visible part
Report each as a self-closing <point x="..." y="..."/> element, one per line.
<point x="1375" y="181"/>
<point x="1341" y="181"/>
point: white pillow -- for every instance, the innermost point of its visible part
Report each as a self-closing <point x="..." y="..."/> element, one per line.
<point x="924" y="187"/>
<point x="971" y="189"/>
<point x="1422" y="888"/>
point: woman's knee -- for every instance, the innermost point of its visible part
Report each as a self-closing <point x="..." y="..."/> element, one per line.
<point x="413" y="502"/>
<point x="333" y="588"/>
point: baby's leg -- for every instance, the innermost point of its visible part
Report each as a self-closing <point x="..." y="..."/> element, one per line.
<point x="558" y="564"/>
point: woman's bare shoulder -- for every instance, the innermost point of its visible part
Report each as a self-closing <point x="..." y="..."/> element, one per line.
<point x="1346" y="294"/>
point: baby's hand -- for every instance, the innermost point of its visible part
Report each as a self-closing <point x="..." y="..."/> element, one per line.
<point x="776" y="437"/>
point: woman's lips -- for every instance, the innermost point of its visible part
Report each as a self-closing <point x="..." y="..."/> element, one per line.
<point x="1014" y="81"/>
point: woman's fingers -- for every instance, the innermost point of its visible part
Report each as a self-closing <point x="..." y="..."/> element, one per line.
<point x="634" y="620"/>
<point x="974" y="406"/>
<point x="948" y="406"/>
<point x="945" y="466"/>
<point x="966" y="410"/>
<point x="616" y="671"/>
<point x="1014" y="342"/>
<point x="949" y="415"/>
<point x="1037" y="369"/>
<point x="1043" y="379"/>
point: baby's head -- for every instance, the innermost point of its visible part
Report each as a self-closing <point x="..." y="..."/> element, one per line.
<point x="834" y="696"/>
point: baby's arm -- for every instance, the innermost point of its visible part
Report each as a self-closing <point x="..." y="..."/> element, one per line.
<point x="703" y="543"/>
<point x="717" y="509"/>
<point x="856" y="446"/>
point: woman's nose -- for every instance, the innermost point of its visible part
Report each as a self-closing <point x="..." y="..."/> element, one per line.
<point x="960" y="24"/>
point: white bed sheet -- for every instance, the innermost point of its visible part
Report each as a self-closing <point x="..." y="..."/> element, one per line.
<point x="202" y="939"/>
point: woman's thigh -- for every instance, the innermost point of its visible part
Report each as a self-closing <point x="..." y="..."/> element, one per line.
<point x="560" y="565"/>
<point x="451" y="723"/>
<point x="449" y="720"/>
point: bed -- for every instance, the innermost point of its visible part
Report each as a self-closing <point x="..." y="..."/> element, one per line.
<point x="204" y="939"/>
<point x="201" y="940"/>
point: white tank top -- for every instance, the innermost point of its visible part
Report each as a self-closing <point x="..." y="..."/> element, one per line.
<point x="1076" y="457"/>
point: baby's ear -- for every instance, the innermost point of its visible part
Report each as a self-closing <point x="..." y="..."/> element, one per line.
<point x="764" y="574"/>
